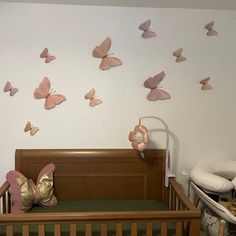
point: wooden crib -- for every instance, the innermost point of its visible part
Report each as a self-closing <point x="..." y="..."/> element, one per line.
<point x="94" y="174"/>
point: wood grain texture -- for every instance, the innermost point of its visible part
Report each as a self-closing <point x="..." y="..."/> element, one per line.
<point x="98" y="173"/>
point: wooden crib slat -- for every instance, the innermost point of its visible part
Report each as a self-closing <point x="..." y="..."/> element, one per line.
<point x="9" y="230"/>
<point x="41" y="230"/>
<point x="134" y="229"/>
<point x="103" y="230"/>
<point x="72" y="229"/>
<point x="25" y="230"/>
<point x="164" y="228"/>
<point x="118" y="229"/>
<point x="57" y="230"/>
<point x="88" y="230"/>
<point x="148" y="229"/>
<point x="179" y="228"/>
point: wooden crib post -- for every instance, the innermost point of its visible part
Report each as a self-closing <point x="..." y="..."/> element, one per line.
<point x="194" y="227"/>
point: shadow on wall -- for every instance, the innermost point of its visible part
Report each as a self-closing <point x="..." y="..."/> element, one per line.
<point x="173" y="149"/>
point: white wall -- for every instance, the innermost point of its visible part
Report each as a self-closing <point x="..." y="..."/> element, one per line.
<point x="202" y="124"/>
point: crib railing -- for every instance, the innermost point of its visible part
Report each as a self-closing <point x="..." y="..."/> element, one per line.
<point x="104" y="218"/>
<point x="5" y="205"/>
<point x="183" y="216"/>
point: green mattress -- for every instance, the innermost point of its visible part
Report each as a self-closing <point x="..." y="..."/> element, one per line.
<point x="98" y="206"/>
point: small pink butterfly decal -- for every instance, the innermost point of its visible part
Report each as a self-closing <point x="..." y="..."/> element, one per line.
<point x="47" y="56"/>
<point x="147" y="33"/>
<point x="156" y="93"/>
<point x="178" y="55"/>
<point x="9" y="88"/>
<point x="205" y="84"/>
<point x="210" y="29"/>
<point x="91" y="96"/>
<point x="31" y="129"/>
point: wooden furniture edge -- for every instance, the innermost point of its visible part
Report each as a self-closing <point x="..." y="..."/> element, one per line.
<point x="179" y="191"/>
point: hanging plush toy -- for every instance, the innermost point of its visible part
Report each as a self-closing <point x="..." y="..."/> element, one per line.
<point x="139" y="137"/>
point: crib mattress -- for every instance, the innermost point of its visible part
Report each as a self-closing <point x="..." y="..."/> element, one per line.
<point x="98" y="206"/>
<point x="103" y="205"/>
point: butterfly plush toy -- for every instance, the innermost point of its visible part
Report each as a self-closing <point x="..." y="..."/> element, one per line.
<point x="48" y="58"/>
<point x="9" y="88"/>
<point x="93" y="100"/>
<point x="31" y="129"/>
<point x="147" y="33"/>
<point x="102" y="51"/>
<point x="44" y="92"/>
<point x="210" y="29"/>
<point x="25" y="193"/>
<point x="156" y="93"/>
<point x="178" y="55"/>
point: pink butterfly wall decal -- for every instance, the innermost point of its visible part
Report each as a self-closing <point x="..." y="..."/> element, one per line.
<point x="44" y="92"/>
<point x="156" y="93"/>
<point x="9" y="88"/>
<point x="205" y="84"/>
<point x="178" y="55"/>
<point x="210" y="29"/>
<point x="93" y="100"/>
<point x="147" y="33"/>
<point x="45" y="54"/>
<point x="102" y="51"/>
<point x="31" y="129"/>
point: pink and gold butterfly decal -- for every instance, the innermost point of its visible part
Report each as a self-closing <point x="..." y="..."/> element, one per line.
<point x="205" y="84"/>
<point x="147" y="33"/>
<point x="33" y="130"/>
<point x="210" y="29"/>
<point x="178" y="55"/>
<point x="9" y="88"/>
<point x="102" y="52"/>
<point x="48" y="57"/>
<point x="93" y="100"/>
<point x="44" y="92"/>
<point x="156" y="93"/>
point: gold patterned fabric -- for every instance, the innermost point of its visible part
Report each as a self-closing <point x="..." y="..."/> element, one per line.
<point x="25" y="193"/>
<point x="41" y="194"/>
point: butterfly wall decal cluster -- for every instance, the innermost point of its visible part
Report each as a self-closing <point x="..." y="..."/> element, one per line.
<point x="107" y="61"/>
<point x="152" y="82"/>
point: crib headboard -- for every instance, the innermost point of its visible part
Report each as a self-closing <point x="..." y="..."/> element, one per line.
<point x="98" y="173"/>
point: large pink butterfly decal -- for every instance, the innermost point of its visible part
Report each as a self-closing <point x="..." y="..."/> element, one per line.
<point x="93" y="100"/>
<point x="9" y="88"/>
<point x="45" y="54"/>
<point x="210" y="29"/>
<point x="44" y="92"/>
<point x="205" y="84"/>
<point x="102" y="51"/>
<point x="156" y="93"/>
<point x="147" y="33"/>
<point x="178" y="55"/>
<point x="31" y="129"/>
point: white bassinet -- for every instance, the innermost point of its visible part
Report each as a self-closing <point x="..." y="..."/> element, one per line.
<point x="218" y="178"/>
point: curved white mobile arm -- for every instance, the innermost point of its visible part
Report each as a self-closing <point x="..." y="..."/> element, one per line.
<point x="168" y="172"/>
